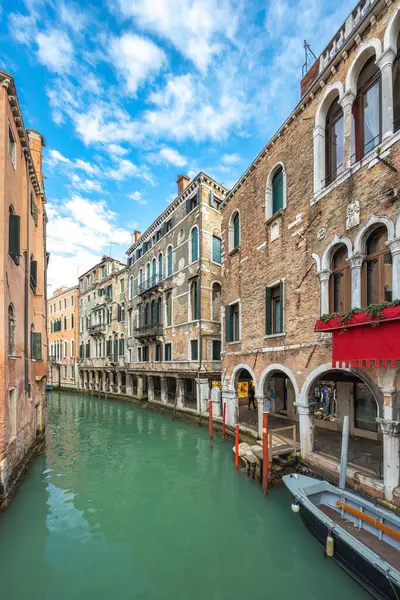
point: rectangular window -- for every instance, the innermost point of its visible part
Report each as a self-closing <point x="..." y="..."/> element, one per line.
<point x="72" y="321"/>
<point x="65" y="303"/>
<point x="72" y="372"/>
<point x="36" y="343"/>
<point x="121" y="348"/>
<point x="192" y="202"/>
<point x="65" y="372"/>
<point x="14" y="237"/>
<point x="12" y="149"/>
<point x="34" y="210"/>
<point x="214" y="202"/>
<point x="216" y="249"/>
<point x="216" y="349"/>
<point x="194" y="349"/>
<point x="168" y="308"/>
<point x="139" y="354"/>
<point x="145" y="353"/>
<point x="195" y="299"/>
<point x="168" y="352"/>
<point x="274" y="309"/>
<point x="158" y="352"/>
<point x="72" y="300"/>
<point x="232" y="323"/>
<point x="122" y="286"/>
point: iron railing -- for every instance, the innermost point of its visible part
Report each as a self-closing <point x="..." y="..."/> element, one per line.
<point x="330" y="178"/>
<point x="146" y="331"/>
<point x="361" y="152"/>
<point x="149" y="283"/>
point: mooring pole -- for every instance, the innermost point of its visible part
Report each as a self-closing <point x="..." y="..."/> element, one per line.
<point x="210" y="415"/>
<point x="237" y="447"/>
<point x="265" y="452"/>
<point x="343" y="456"/>
<point x="223" y="421"/>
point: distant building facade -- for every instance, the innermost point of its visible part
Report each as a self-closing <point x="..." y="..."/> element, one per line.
<point x="312" y="228"/>
<point x="62" y="331"/>
<point x="23" y="264"/>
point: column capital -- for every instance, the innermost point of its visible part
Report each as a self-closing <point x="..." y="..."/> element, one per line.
<point x="394" y="245"/>
<point x="389" y="428"/>
<point x="324" y="275"/>
<point x="386" y="59"/>
<point x="347" y="99"/>
<point x="304" y="409"/>
<point x="356" y="261"/>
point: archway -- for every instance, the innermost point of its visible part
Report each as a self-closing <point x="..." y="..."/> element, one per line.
<point x="245" y="389"/>
<point x="335" y="393"/>
<point x="280" y="390"/>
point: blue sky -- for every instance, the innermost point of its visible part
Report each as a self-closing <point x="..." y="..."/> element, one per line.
<point x="130" y="93"/>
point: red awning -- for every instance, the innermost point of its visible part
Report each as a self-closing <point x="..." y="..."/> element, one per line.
<point x="359" y="341"/>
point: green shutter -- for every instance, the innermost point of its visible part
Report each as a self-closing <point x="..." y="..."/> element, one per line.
<point x="33" y="273"/>
<point x="198" y="299"/>
<point x="14" y="236"/>
<point x="268" y="311"/>
<point x="216" y="250"/>
<point x="236" y="231"/>
<point x="228" y="323"/>
<point x="36" y="345"/>
<point x="119" y="313"/>
<point x="212" y="203"/>
<point x="281" y="307"/>
<point x="277" y="191"/>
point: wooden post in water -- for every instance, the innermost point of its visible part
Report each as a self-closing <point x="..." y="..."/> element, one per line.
<point x="265" y="452"/>
<point x="223" y="421"/>
<point x="237" y="447"/>
<point x="343" y="456"/>
<point x="210" y="416"/>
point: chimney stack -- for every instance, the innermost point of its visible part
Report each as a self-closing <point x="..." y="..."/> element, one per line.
<point x="182" y="181"/>
<point x="136" y="235"/>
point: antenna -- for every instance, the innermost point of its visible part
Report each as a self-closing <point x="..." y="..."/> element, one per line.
<point x="309" y="57"/>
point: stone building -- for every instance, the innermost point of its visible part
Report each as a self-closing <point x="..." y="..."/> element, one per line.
<point x="314" y="225"/>
<point x="174" y="299"/>
<point x="102" y="326"/>
<point x="62" y="332"/>
<point x="23" y="263"/>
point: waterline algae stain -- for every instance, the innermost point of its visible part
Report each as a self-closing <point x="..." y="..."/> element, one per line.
<point x="127" y="504"/>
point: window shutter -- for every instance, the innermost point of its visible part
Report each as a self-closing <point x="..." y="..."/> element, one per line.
<point x="236" y="231"/>
<point x="119" y="313"/>
<point x="14" y="236"/>
<point x="268" y="311"/>
<point x="188" y="205"/>
<point x="212" y="203"/>
<point x="228" y="323"/>
<point x="281" y="305"/>
<point x="198" y="299"/>
<point x="36" y="345"/>
<point x="277" y="191"/>
<point x="33" y="274"/>
<point x="198" y="197"/>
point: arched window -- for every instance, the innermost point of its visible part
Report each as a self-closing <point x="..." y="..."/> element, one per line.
<point x="194" y="244"/>
<point x="141" y="279"/>
<point x="367" y="109"/>
<point x="377" y="269"/>
<point x="147" y="273"/>
<point x="169" y="261"/>
<point x="131" y="286"/>
<point x="146" y="314"/>
<point x="234" y="231"/>
<point x="33" y="274"/>
<point x="160" y="266"/>
<point x="154" y="271"/>
<point x="396" y="87"/>
<point x="277" y="190"/>
<point x="216" y="302"/>
<point x="195" y="299"/>
<point x="340" y="283"/>
<point x="14" y="225"/>
<point x="11" y="330"/>
<point x="334" y="143"/>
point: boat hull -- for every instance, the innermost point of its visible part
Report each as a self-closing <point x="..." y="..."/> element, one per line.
<point x="372" y="579"/>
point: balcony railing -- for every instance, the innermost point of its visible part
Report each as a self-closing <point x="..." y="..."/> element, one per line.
<point x="97" y="328"/>
<point x="147" y="331"/>
<point x="332" y="176"/>
<point x="361" y="152"/>
<point x="148" y="284"/>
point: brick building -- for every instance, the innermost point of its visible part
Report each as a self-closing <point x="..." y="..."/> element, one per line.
<point x="312" y="228"/>
<point x="174" y="299"/>
<point x="102" y="326"/>
<point x="23" y="264"/>
<point x="62" y="332"/>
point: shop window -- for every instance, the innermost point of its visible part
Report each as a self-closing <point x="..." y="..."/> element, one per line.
<point x="334" y="143"/>
<point x="367" y="111"/>
<point x="216" y="249"/>
<point x="396" y="87"/>
<point x="274" y="309"/>
<point x="377" y="269"/>
<point x="340" y="282"/>
<point x="365" y="408"/>
<point x="232" y="322"/>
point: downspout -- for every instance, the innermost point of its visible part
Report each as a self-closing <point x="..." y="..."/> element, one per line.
<point x="199" y="292"/>
<point x="26" y="298"/>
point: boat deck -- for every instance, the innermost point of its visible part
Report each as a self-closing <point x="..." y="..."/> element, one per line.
<point x="385" y="551"/>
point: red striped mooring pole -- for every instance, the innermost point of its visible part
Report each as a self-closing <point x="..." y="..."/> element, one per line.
<point x="210" y="422"/>
<point x="223" y="421"/>
<point x="237" y="446"/>
<point x="265" y="452"/>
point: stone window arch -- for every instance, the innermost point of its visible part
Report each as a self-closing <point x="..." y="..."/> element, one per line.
<point x="340" y="281"/>
<point x="234" y="230"/>
<point x="160" y="266"/>
<point x="131" y="287"/>
<point x="396" y="84"/>
<point x="275" y="191"/>
<point x="367" y="110"/>
<point x="376" y="276"/>
<point x="194" y="244"/>
<point x="169" y="261"/>
<point x="216" y="292"/>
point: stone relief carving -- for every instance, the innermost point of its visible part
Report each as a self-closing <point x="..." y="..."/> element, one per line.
<point x="353" y="214"/>
<point x="274" y="230"/>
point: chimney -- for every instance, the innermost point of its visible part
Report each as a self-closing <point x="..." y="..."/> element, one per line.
<point x="136" y="235"/>
<point x="182" y="181"/>
<point x="36" y="144"/>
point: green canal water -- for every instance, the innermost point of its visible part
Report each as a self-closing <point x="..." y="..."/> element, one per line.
<point x="127" y="504"/>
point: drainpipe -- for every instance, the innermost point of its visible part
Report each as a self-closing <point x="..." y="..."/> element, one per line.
<point x="26" y="291"/>
<point x="199" y="291"/>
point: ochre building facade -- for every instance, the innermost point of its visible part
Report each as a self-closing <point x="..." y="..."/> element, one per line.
<point x="62" y="331"/>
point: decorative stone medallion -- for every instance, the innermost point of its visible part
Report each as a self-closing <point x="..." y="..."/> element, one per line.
<point x="321" y="233"/>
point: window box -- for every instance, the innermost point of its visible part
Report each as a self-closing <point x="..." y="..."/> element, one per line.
<point x="390" y="313"/>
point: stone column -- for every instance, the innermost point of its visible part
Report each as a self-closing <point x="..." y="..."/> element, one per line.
<point x="150" y="388"/>
<point x="260" y="406"/>
<point x="164" y="390"/>
<point x="385" y="64"/>
<point x="215" y="395"/>
<point x="180" y="391"/>
<point x="230" y="397"/>
<point x="324" y="290"/>
<point x="347" y="105"/>
<point x="203" y="395"/>
<point x="394" y="246"/>
<point x="391" y="456"/>
<point x="118" y="374"/>
<point x="140" y="387"/>
<point x="96" y="376"/>
<point x="356" y="263"/>
<point x="129" y="387"/>
<point x="305" y="412"/>
<point x="319" y="157"/>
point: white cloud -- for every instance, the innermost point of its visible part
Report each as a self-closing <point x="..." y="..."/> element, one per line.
<point x="136" y="58"/>
<point x="137" y="197"/>
<point x="117" y="149"/>
<point x="125" y="168"/>
<point x="230" y="159"/>
<point x="55" y="50"/>
<point x="79" y="232"/>
<point x="54" y="157"/>
<point x="87" y="185"/>
<point x="168" y="156"/>
<point x="22" y="27"/>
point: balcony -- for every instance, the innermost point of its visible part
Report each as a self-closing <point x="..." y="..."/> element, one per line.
<point x="97" y="329"/>
<point x="149" y="331"/>
<point x="149" y="284"/>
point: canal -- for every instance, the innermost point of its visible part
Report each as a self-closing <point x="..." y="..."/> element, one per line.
<point x="127" y="504"/>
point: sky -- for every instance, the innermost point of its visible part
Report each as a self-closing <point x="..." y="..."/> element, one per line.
<point x="130" y="93"/>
